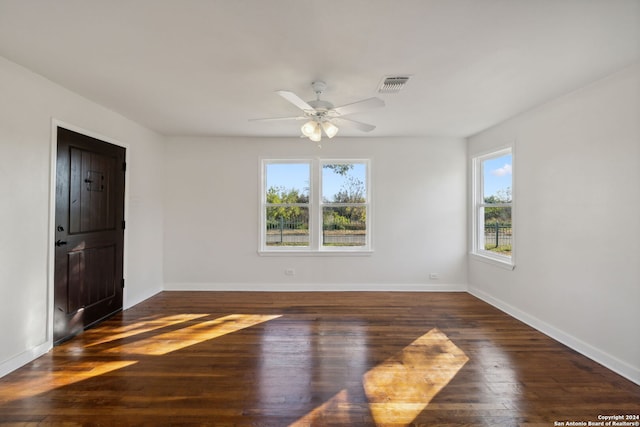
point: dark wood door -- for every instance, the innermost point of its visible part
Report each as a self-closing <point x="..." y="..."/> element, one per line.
<point x="89" y="236"/>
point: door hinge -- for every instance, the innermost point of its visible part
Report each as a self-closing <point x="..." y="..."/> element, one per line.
<point x="124" y="166"/>
<point x="122" y="283"/>
<point x="124" y="224"/>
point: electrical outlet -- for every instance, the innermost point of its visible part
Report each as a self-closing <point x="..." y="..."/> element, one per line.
<point x="289" y="272"/>
<point x="434" y="276"/>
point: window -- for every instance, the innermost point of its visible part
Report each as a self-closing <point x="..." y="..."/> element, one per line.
<point x="315" y="206"/>
<point x="493" y="204"/>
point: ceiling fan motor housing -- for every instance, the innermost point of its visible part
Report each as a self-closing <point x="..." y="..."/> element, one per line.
<point x="321" y="105"/>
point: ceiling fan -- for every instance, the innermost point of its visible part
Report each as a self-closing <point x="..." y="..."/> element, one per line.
<point x="321" y="115"/>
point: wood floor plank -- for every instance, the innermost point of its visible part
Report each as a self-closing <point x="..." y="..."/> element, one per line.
<point x="300" y="359"/>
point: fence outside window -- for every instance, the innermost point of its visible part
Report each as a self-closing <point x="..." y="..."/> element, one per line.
<point x="295" y="232"/>
<point x="497" y="237"/>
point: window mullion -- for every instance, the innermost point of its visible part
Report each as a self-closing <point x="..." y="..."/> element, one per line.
<point x="495" y="205"/>
<point x="315" y="208"/>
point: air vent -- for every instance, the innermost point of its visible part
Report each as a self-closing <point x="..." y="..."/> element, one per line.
<point x="392" y="84"/>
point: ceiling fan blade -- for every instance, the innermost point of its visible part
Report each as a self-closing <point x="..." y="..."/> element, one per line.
<point x="342" y="121"/>
<point x="358" y="106"/>
<point x="295" y="100"/>
<point x="277" y="119"/>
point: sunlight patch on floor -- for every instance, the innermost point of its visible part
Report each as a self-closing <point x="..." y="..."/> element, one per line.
<point x="144" y="326"/>
<point x="330" y="409"/>
<point x="47" y="381"/>
<point x="168" y="342"/>
<point x="401" y="387"/>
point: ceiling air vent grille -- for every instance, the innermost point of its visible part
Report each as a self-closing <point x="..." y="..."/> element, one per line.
<point x="392" y="84"/>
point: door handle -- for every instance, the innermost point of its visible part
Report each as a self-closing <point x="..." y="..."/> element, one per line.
<point x="60" y="242"/>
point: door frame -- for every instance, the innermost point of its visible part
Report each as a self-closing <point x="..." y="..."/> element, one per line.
<point x="55" y="123"/>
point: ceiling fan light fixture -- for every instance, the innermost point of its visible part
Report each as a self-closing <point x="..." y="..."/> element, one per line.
<point x="316" y="136"/>
<point x="330" y="129"/>
<point x="309" y="128"/>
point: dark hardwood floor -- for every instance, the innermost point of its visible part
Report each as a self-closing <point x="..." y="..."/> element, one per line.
<point x="280" y="359"/>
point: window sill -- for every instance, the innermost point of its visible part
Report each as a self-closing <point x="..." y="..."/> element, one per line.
<point x="498" y="261"/>
<point x="307" y="253"/>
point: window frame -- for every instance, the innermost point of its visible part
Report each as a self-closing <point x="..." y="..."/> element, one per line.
<point x="315" y="207"/>
<point x="478" y="205"/>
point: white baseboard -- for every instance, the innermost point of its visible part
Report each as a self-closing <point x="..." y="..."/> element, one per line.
<point x="129" y="302"/>
<point x="628" y="371"/>
<point x="314" y="287"/>
<point x="23" y="358"/>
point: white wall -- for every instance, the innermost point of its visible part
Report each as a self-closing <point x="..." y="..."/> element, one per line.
<point x="28" y="105"/>
<point x="211" y="216"/>
<point x="577" y="219"/>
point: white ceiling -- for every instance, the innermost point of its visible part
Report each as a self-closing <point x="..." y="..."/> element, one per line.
<point x="204" y="67"/>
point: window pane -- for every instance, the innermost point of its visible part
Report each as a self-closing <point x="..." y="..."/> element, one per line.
<point x="287" y="183"/>
<point x="287" y="226"/>
<point x="344" y="226"/>
<point x="344" y="183"/>
<point x="496" y="179"/>
<point x="497" y="230"/>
